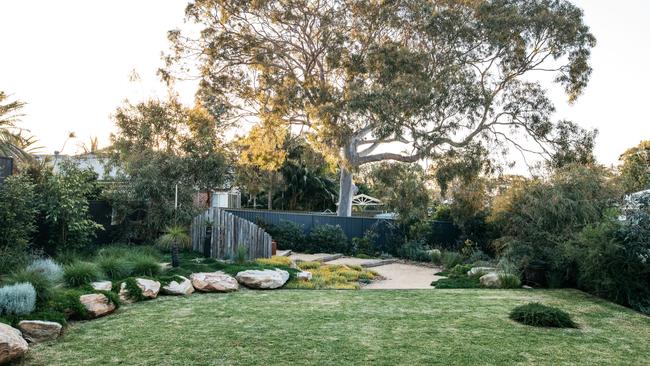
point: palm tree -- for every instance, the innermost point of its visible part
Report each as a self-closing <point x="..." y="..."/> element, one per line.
<point x="174" y="237"/>
<point x="12" y="141"/>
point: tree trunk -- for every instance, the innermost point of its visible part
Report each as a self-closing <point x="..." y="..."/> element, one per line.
<point x="347" y="190"/>
<point x="175" y="261"/>
<point x="269" y="194"/>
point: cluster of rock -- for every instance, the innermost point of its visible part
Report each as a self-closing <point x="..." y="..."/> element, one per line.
<point x="14" y="342"/>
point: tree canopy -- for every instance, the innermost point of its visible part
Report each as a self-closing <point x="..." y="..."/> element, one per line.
<point x="363" y="79"/>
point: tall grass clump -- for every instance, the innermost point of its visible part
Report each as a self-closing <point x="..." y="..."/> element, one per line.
<point x="115" y="268"/>
<point x="145" y="265"/>
<point x="80" y="273"/>
<point x="17" y="299"/>
<point x="241" y="255"/>
<point x="450" y="260"/>
<point x="48" y="268"/>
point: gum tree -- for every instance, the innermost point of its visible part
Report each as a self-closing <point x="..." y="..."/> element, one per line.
<point x="369" y="81"/>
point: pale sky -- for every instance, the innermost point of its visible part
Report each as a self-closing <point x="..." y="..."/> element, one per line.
<point x="71" y="61"/>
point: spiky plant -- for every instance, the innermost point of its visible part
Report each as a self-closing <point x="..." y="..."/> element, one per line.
<point x="174" y="238"/>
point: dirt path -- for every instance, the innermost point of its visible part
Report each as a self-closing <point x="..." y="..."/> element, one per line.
<point x="397" y="275"/>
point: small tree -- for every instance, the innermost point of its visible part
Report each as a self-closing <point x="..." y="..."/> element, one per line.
<point x="175" y="237"/>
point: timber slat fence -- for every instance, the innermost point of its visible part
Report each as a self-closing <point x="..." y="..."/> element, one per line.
<point x="229" y="232"/>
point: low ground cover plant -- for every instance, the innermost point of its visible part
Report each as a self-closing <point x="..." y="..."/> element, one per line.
<point x="539" y="315"/>
<point x="329" y="276"/>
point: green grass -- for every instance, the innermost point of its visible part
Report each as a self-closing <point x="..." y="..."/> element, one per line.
<point x="417" y="327"/>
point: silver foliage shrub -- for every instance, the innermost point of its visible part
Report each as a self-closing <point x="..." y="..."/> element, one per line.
<point x="18" y="299"/>
<point x="48" y="268"/>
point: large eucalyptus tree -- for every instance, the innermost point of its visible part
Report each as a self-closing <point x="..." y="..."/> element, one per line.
<point x="375" y="80"/>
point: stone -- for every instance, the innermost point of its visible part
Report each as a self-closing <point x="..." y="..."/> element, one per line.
<point x="12" y="344"/>
<point x="97" y="305"/>
<point x="304" y="275"/>
<point x="102" y="285"/>
<point x="214" y="282"/>
<point x="490" y="280"/>
<point x="526" y="287"/>
<point x="148" y="288"/>
<point x="35" y="331"/>
<point x="263" y="279"/>
<point x="184" y="287"/>
<point x="475" y="271"/>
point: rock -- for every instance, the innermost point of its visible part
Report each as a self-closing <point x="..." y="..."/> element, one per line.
<point x="490" y="280"/>
<point x="184" y="287"/>
<point x="102" y="285"/>
<point x="304" y="275"/>
<point x="526" y="287"/>
<point x="39" y="331"/>
<point x="214" y="282"/>
<point x="97" y="304"/>
<point x="12" y="344"/>
<point x="148" y="288"/>
<point x="475" y="271"/>
<point x="263" y="279"/>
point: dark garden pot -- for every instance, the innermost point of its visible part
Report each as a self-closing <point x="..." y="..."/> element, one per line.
<point x="274" y="247"/>
<point x="207" y="242"/>
<point x="535" y="274"/>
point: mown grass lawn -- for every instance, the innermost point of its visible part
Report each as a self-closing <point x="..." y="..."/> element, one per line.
<point x="301" y="327"/>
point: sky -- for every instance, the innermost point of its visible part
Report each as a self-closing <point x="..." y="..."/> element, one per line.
<point x="71" y="62"/>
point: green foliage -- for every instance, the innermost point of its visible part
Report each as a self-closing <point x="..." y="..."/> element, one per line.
<point x="42" y="285"/>
<point x="365" y="245"/>
<point x="241" y="255"/>
<point x="80" y="273"/>
<point x="635" y="170"/>
<point x="133" y="290"/>
<point x="451" y="259"/>
<point x="174" y="235"/>
<point x="67" y="302"/>
<point x="17" y="299"/>
<point x="288" y="235"/>
<point x="436" y="257"/>
<point x="539" y="315"/>
<point x="457" y="282"/>
<point x="48" y="268"/>
<point x="327" y="239"/>
<point x="415" y="251"/>
<point x="18" y="220"/>
<point x="460" y="270"/>
<point x="161" y="146"/>
<point x="509" y="280"/>
<point x="144" y="265"/>
<point x="114" y="267"/>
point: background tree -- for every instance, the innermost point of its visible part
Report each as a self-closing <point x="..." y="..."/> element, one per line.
<point x="635" y="170"/>
<point x="13" y="140"/>
<point x="361" y="78"/>
<point x="161" y="145"/>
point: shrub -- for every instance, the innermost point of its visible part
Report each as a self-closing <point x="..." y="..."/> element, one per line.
<point x="460" y="270"/>
<point x="288" y="235"/>
<point x="144" y="265"/>
<point x="115" y="268"/>
<point x="327" y="239"/>
<point x="366" y="244"/>
<point x="457" y="282"/>
<point x="509" y="280"/>
<point x="17" y="299"/>
<point x="539" y="315"/>
<point x="80" y="273"/>
<point x="18" y="217"/>
<point x="436" y="256"/>
<point x="48" y="268"/>
<point x="42" y="285"/>
<point x="415" y="251"/>
<point x="451" y="259"/>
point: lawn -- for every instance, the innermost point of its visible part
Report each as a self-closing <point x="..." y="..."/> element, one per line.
<point x="300" y="327"/>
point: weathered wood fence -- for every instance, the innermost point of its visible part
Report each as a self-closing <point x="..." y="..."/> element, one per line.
<point x="229" y="232"/>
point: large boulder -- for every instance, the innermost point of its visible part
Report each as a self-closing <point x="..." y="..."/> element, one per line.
<point x="491" y="279"/>
<point x="12" y="344"/>
<point x="102" y="285"/>
<point x="263" y="279"/>
<point x="214" y="282"/>
<point x="148" y="288"/>
<point x="181" y="286"/>
<point x="39" y="331"/>
<point x="97" y="305"/>
<point x="480" y="271"/>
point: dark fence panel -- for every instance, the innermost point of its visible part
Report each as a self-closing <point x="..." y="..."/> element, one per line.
<point x="353" y="227"/>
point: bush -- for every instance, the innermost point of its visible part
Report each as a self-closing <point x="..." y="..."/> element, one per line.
<point x="415" y="251"/>
<point x="288" y="235"/>
<point x="115" y="268"/>
<point x="241" y="255"/>
<point x="18" y="217"/>
<point x="457" y="282"/>
<point x="538" y="315"/>
<point x="509" y="280"/>
<point x="366" y="244"/>
<point x="42" y="285"/>
<point x="80" y="273"/>
<point x="460" y="270"/>
<point x="48" y="268"/>
<point x="17" y="299"/>
<point x="144" y="265"/>
<point x="436" y="257"/>
<point x="327" y="239"/>
<point x="451" y="259"/>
